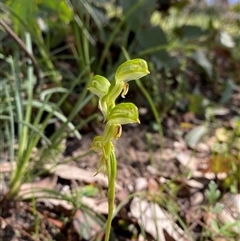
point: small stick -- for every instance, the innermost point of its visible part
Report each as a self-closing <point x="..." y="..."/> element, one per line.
<point x="22" y="46"/>
<point x="21" y="230"/>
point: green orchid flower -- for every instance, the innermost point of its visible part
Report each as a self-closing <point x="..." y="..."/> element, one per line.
<point x="103" y="164"/>
<point x="97" y="144"/>
<point x="99" y="85"/>
<point x="114" y="116"/>
<point x="131" y="70"/>
<point x="124" y="113"/>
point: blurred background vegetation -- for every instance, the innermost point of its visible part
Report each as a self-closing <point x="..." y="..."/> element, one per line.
<point x="191" y="48"/>
<point x="50" y="49"/>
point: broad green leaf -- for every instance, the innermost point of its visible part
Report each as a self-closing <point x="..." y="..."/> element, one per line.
<point x="154" y="38"/>
<point x="226" y="40"/>
<point x="195" y="135"/>
<point x="228" y="91"/>
<point x="197" y="104"/>
<point x="26" y="10"/>
<point x="202" y="60"/>
<point x="141" y="16"/>
<point x="151" y="37"/>
<point x="189" y="31"/>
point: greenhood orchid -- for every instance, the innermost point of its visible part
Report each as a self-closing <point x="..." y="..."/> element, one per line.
<point x="114" y="116"/>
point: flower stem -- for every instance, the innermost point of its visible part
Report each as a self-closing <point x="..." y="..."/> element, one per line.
<point x="112" y="171"/>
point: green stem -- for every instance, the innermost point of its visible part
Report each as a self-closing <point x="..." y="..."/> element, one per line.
<point x="152" y="105"/>
<point x="154" y="110"/>
<point x="79" y="45"/>
<point x="112" y="171"/>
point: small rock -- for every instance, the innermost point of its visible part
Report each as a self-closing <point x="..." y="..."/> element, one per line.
<point x="153" y="185"/>
<point x="152" y="170"/>
<point x="197" y="198"/>
<point x="122" y="195"/>
<point x="3" y="189"/>
<point x="194" y="184"/>
<point x="141" y="184"/>
<point x="179" y="145"/>
<point x="202" y="147"/>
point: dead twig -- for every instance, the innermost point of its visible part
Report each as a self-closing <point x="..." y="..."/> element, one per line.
<point x="20" y="230"/>
<point x="21" y="44"/>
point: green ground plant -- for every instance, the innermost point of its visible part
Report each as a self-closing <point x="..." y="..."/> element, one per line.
<point x="22" y="121"/>
<point x="170" y="41"/>
<point x="214" y="207"/>
<point x="114" y="116"/>
<point x="192" y="53"/>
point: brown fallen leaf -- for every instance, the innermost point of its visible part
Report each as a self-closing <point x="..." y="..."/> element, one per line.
<point x="75" y="173"/>
<point x="85" y="225"/>
<point x="35" y="189"/>
<point x="231" y="211"/>
<point x="59" y="224"/>
<point x="122" y="195"/>
<point x="154" y="220"/>
<point x="188" y="161"/>
<point x="63" y="205"/>
<point x="225" y="217"/>
<point x="97" y="206"/>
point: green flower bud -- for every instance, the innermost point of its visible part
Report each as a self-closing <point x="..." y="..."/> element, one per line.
<point x="103" y="105"/>
<point x="102" y="166"/>
<point x="97" y="144"/>
<point x="104" y="158"/>
<point x="131" y="70"/>
<point x="124" y="113"/>
<point x="125" y="90"/>
<point x="99" y="85"/>
<point x="111" y="132"/>
<point x="115" y="90"/>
